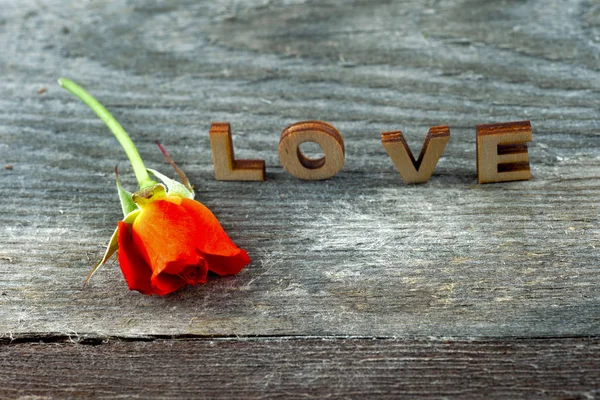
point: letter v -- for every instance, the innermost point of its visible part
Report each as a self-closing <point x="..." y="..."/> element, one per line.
<point x="411" y="170"/>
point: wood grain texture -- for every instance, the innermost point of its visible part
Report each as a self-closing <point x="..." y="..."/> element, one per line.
<point x="290" y="368"/>
<point x="360" y="254"/>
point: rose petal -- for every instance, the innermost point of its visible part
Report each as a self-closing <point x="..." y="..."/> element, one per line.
<point x="176" y="274"/>
<point x="193" y="273"/>
<point x="211" y="237"/>
<point x="165" y="231"/>
<point x="136" y="271"/>
<point x="228" y="265"/>
<point x="164" y="283"/>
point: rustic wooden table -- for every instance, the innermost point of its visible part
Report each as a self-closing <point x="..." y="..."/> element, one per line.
<point x="360" y="286"/>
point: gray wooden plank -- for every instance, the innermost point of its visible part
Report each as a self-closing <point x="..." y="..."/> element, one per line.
<point x="360" y="254"/>
<point x="567" y="368"/>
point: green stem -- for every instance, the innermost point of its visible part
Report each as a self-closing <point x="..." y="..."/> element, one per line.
<point x="134" y="157"/>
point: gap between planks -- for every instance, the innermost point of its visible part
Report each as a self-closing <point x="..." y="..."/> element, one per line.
<point x="94" y="339"/>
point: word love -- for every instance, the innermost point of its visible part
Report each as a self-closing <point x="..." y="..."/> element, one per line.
<point x="501" y="153"/>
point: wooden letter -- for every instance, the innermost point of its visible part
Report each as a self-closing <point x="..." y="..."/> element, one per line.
<point x="502" y="152"/>
<point x="411" y="170"/>
<point x="302" y="167"/>
<point x="227" y="168"/>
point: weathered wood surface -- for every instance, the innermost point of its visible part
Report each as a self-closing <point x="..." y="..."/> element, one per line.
<point x="360" y="254"/>
<point x="304" y="368"/>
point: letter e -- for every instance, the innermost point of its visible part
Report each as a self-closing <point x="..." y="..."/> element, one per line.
<point x="502" y="154"/>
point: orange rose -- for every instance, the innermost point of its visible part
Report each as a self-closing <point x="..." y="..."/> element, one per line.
<point x="172" y="242"/>
<point x="166" y="239"/>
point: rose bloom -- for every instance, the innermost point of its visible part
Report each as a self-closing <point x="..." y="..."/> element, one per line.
<point x="166" y="239"/>
<point x="172" y="242"/>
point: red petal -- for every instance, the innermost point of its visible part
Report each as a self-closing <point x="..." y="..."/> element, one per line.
<point x="164" y="283"/>
<point x="180" y="267"/>
<point x="135" y="270"/>
<point x="228" y="265"/>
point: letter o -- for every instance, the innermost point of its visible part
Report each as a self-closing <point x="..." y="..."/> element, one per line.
<point x="302" y="167"/>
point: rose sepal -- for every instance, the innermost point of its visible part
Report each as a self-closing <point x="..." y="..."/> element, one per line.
<point x="125" y="197"/>
<point x="173" y="187"/>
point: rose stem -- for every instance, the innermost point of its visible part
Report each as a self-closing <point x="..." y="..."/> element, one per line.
<point x="139" y="168"/>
